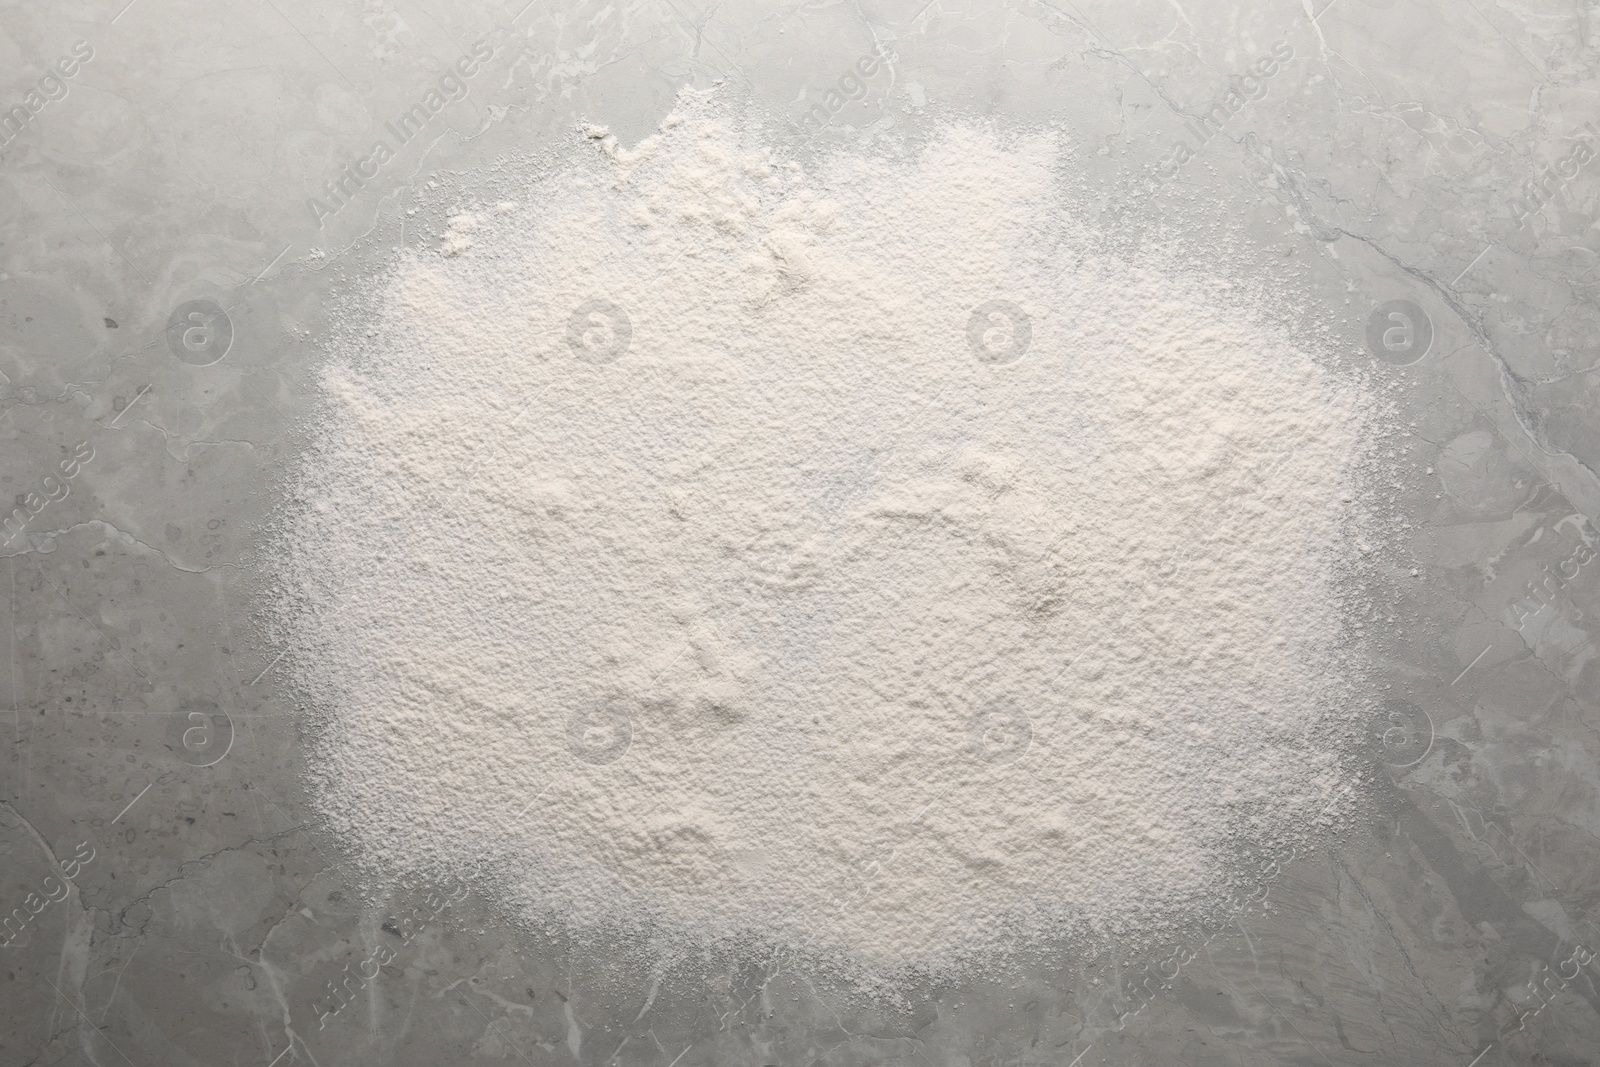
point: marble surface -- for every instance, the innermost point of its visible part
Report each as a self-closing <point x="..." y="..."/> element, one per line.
<point x="162" y="273"/>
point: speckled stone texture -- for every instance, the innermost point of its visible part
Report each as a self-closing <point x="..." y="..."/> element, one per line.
<point x="184" y="185"/>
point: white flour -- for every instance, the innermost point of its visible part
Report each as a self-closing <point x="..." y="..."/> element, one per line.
<point x="782" y="613"/>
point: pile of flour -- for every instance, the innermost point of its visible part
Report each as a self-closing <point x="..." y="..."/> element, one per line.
<point x="858" y="560"/>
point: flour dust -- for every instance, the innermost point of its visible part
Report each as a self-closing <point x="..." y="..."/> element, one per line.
<point x="862" y="560"/>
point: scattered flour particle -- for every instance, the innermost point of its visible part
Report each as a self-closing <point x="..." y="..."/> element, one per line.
<point x="455" y="239"/>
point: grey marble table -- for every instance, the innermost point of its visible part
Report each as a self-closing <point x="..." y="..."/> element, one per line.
<point x="172" y="222"/>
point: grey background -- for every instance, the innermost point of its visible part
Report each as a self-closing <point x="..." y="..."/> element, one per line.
<point x="1395" y="157"/>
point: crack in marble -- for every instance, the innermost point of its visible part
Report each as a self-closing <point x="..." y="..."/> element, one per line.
<point x="121" y="536"/>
